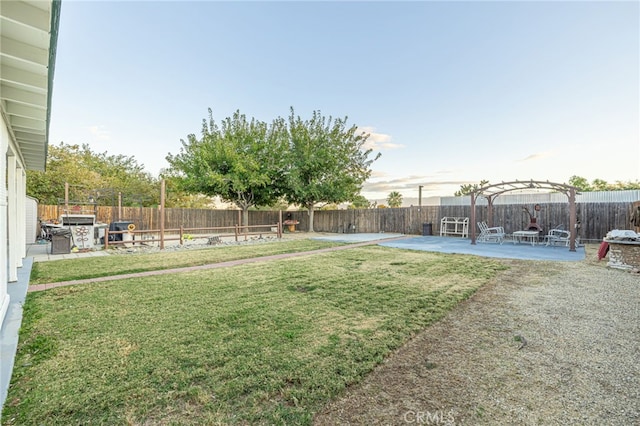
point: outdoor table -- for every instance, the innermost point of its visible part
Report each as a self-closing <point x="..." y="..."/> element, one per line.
<point x="531" y="236"/>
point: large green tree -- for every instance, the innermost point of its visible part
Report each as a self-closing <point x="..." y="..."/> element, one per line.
<point x="89" y="174"/>
<point x="240" y="160"/>
<point x="327" y="162"/>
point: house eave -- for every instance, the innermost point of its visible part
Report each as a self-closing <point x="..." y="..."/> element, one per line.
<point x="28" y="42"/>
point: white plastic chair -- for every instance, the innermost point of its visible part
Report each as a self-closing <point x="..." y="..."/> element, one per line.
<point x="558" y="235"/>
<point x="487" y="234"/>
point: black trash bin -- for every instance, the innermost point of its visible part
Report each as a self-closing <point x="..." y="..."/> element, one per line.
<point x="427" y="229"/>
<point x="60" y="241"/>
<point x="118" y="227"/>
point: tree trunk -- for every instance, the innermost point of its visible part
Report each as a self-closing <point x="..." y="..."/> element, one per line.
<point x="245" y="218"/>
<point x="244" y="206"/>
<point x="310" y="207"/>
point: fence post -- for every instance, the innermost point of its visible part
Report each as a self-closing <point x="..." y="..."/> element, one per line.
<point x="162" y="190"/>
<point x="181" y="234"/>
<point x="106" y="238"/>
<point x="236" y="232"/>
<point x="279" y="223"/>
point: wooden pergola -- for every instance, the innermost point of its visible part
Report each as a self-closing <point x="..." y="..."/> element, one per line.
<point x="491" y="192"/>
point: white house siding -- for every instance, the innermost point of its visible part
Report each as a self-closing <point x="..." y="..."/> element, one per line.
<point x="4" y="296"/>
<point x="21" y="178"/>
<point x="12" y="216"/>
<point x="12" y="213"/>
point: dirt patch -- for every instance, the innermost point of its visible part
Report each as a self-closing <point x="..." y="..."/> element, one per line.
<point x="544" y="343"/>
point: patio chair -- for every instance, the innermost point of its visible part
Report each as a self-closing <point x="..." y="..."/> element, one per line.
<point x="495" y="233"/>
<point x="558" y="235"/>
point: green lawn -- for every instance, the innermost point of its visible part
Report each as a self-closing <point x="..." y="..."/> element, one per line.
<point x="265" y="343"/>
<point x="77" y="269"/>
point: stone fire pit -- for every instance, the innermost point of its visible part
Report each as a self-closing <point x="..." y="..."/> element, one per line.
<point x="624" y="250"/>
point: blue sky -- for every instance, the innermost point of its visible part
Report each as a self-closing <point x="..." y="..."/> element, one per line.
<point x="451" y="92"/>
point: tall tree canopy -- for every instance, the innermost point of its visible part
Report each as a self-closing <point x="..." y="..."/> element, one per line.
<point x="601" y="185"/>
<point x="90" y="174"/>
<point x="467" y="189"/>
<point x="241" y="161"/>
<point x="578" y="181"/>
<point x="360" y="202"/>
<point x="394" y="199"/>
<point x="326" y="161"/>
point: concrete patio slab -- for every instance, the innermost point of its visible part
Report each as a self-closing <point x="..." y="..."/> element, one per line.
<point x="358" y="238"/>
<point x="506" y="250"/>
<point x="42" y="253"/>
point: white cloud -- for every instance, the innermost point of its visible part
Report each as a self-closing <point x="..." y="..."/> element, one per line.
<point x="535" y="157"/>
<point x="378" y="141"/>
<point x="378" y="174"/>
<point x="100" y="132"/>
<point x="379" y="187"/>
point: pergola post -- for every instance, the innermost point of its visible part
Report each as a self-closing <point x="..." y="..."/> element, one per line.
<point x="473" y="218"/>
<point x="573" y="229"/>
<point x="490" y="211"/>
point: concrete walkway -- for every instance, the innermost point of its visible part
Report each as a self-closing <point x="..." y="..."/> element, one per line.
<point x="11" y="326"/>
<point x="42" y="253"/>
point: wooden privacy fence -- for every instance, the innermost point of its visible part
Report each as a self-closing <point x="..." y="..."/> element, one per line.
<point x="596" y="219"/>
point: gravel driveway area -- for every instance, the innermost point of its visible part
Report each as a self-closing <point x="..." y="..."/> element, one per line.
<point x="553" y="343"/>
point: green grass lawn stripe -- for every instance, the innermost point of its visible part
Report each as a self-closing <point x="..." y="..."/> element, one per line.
<point x="258" y="344"/>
